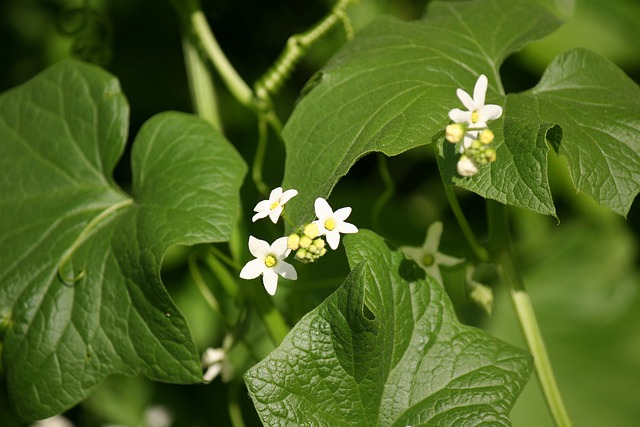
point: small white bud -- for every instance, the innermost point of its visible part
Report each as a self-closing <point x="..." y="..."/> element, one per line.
<point x="467" y="167"/>
<point x="454" y="132"/>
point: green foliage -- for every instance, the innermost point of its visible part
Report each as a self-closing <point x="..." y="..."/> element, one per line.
<point x="391" y="90"/>
<point x="386" y="349"/>
<point x="81" y="293"/>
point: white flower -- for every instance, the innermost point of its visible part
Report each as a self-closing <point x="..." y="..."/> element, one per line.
<point x="212" y="361"/>
<point x="466" y="166"/>
<point x="478" y="113"/>
<point x="55" y="421"/>
<point x="428" y="256"/>
<point x="331" y="224"/>
<point x="269" y="263"/>
<point x="273" y="207"/>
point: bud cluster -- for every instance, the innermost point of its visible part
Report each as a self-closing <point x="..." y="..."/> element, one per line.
<point x="307" y="244"/>
<point x="476" y="147"/>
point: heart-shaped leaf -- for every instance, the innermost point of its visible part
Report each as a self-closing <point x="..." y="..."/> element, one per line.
<point x="391" y="90"/>
<point x="386" y="350"/>
<point x="80" y="290"/>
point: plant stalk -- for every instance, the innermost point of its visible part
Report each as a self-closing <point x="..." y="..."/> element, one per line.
<point x="500" y="242"/>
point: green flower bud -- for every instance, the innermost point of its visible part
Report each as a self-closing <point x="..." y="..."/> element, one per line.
<point x="490" y="155"/>
<point x="319" y="243"/>
<point x="476" y="144"/>
<point x="301" y="254"/>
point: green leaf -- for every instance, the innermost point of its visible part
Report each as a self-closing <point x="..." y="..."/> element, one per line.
<point x="598" y="108"/>
<point x="386" y="350"/>
<point x="391" y="90"/>
<point x="80" y="289"/>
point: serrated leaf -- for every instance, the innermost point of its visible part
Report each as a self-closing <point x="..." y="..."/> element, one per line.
<point x="392" y="87"/>
<point x="80" y="290"/>
<point x="386" y="350"/>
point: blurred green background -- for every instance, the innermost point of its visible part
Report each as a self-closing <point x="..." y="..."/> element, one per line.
<point x="582" y="272"/>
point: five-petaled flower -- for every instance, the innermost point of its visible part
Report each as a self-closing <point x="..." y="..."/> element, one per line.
<point x="428" y="256"/>
<point x="269" y="263"/>
<point x="331" y="224"/>
<point x="274" y="206"/>
<point x="478" y="113"/>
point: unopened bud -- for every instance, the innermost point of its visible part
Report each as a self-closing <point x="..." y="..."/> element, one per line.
<point x="319" y="243"/>
<point x="305" y="242"/>
<point x="475" y="144"/>
<point x="301" y="254"/>
<point x="490" y="155"/>
<point x="486" y="136"/>
<point x="482" y="295"/>
<point x="293" y="242"/>
<point x="311" y="230"/>
<point x="466" y="166"/>
<point x="454" y="132"/>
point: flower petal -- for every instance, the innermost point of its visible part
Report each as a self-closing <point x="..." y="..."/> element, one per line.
<point x="333" y="239"/>
<point x="252" y="269"/>
<point x="280" y="248"/>
<point x="275" y="195"/>
<point x="288" y="195"/>
<point x="259" y="215"/>
<point x="459" y="116"/>
<point x="447" y="260"/>
<point x="286" y="270"/>
<point x="480" y="91"/>
<point x="466" y="100"/>
<point x="347" y="228"/>
<point x="432" y="241"/>
<point x="321" y="230"/>
<point x="322" y="208"/>
<point x="342" y="214"/>
<point x="489" y="112"/>
<point x="258" y="248"/>
<point x="275" y="213"/>
<point x="270" y="281"/>
<point x="212" y="372"/>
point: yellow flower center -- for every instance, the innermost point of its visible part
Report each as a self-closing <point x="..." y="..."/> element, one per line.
<point x="270" y="261"/>
<point x="475" y="117"/>
<point x="428" y="260"/>
<point x="330" y="224"/>
<point x="276" y="203"/>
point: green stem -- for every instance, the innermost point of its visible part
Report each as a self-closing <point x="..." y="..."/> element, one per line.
<point x="235" y="411"/>
<point x="500" y="242"/>
<point x="479" y="251"/>
<point x="261" y="150"/>
<point x="203" y="93"/>
<point x="297" y="46"/>
<point x="272" y="318"/>
<point x="202" y="286"/>
<point x="237" y="86"/>
<point x="389" y="189"/>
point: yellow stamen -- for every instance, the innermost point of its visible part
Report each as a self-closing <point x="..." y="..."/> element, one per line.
<point x="475" y="117"/>
<point x="270" y="261"/>
<point x="274" y="205"/>
<point x="330" y="224"/>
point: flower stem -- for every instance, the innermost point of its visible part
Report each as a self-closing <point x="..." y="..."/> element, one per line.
<point x="500" y="242"/>
<point x="479" y="251"/>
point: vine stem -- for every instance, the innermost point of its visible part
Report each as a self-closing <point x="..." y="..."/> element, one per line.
<point x="297" y="46"/>
<point x="480" y="252"/>
<point x="237" y="86"/>
<point x="201" y="87"/>
<point x="500" y="242"/>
